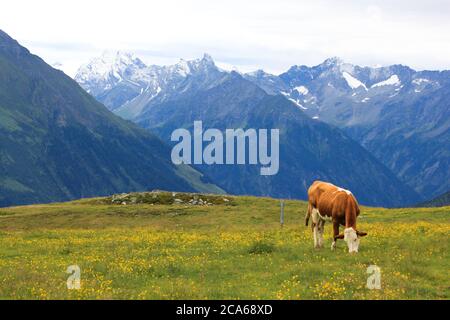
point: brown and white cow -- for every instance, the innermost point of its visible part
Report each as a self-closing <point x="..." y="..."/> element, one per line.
<point x="329" y="202"/>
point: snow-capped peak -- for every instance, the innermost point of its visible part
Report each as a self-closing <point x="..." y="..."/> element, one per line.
<point x="333" y="61"/>
<point x="206" y="61"/>
<point x="186" y="67"/>
<point x="118" y="56"/>
<point x="207" y="58"/>
<point x="257" y="73"/>
<point x="109" y="64"/>
<point x="182" y="68"/>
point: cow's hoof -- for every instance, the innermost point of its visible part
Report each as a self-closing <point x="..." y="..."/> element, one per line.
<point x="333" y="246"/>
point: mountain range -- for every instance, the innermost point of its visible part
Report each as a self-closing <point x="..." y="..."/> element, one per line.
<point x="335" y="101"/>
<point x="400" y="115"/>
<point x="381" y="132"/>
<point x="58" y="143"/>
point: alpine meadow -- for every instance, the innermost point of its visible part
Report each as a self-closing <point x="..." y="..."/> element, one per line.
<point x="157" y="247"/>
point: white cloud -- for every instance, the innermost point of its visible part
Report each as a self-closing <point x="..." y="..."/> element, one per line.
<point x="272" y="35"/>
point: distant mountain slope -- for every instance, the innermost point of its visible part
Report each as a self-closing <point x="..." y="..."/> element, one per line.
<point x="309" y="149"/>
<point x="440" y="201"/>
<point x="59" y="143"/>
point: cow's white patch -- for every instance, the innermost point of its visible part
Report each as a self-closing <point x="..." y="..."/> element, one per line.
<point x="316" y="236"/>
<point x="325" y="218"/>
<point x="339" y="188"/>
<point x="315" y="215"/>
<point x="352" y="239"/>
<point x="318" y="223"/>
<point x="345" y="190"/>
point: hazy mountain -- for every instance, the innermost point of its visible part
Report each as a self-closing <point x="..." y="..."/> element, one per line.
<point x="126" y="85"/>
<point x="114" y="78"/>
<point x="58" y="143"/>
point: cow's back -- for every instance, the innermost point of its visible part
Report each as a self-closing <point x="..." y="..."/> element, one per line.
<point x="317" y="189"/>
<point x="331" y="200"/>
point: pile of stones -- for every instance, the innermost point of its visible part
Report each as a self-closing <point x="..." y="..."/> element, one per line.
<point x="167" y="198"/>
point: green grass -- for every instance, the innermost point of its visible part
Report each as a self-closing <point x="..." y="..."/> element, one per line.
<point x="151" y="248"/>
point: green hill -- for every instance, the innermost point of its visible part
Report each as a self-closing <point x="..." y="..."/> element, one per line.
<point x="161" y="245"/>
<point x="58" y="143"/>
<point x="440" y="201"/>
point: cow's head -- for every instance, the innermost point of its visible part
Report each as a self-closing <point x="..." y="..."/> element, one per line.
<point x="351" y="236"/>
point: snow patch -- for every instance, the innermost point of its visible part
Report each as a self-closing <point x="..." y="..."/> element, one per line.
<point x="419" y="81"/>
<point x="391" y="81"/>
<point x="352" y="81"/>
<point x="298" y="104"/>
<point x="302" y="90"/>
<point x="310" y="100"/>
<point x="344" y="190"/>
<point x="394" y="94"/>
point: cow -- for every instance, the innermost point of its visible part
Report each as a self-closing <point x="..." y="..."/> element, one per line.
<point x="329" y="202"/>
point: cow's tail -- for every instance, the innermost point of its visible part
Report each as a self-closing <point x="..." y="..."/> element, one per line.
<point x="308" y="213"/>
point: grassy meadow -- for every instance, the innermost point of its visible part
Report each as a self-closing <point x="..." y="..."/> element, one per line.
<point x="144" y="246"/>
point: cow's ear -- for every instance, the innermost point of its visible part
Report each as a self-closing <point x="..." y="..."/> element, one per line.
<point x="361" y="234"/>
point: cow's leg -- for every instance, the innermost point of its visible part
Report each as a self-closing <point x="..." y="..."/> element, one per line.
<point x="316" y="235"/>
<point x="308" y="213"/>
<point x="321" y="226"/>
<point x="315" y="226"/>
<point x="336" y="234"/>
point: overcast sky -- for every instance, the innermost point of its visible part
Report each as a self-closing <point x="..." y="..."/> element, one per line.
<point x="247" y="34"/>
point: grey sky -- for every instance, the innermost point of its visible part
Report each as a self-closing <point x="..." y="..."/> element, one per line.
<point x="247" y="34"/>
